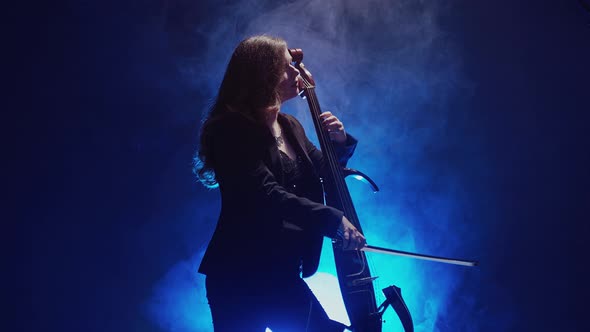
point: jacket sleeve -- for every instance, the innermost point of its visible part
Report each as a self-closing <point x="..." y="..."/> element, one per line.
<point x="240" y="170"/>
<point x="343" y="152"/>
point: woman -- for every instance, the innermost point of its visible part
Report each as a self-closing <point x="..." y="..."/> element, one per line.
<point x="272" y="214"/>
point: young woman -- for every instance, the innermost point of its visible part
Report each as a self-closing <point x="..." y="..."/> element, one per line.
<point x="268" y="173"/>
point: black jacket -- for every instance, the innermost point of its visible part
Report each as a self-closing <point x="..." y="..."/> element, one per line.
<point x="250" y="235"/>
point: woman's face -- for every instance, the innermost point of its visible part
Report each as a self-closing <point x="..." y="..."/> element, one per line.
<point x="289" y="84"/>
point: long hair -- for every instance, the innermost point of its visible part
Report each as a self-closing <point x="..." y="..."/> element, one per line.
<point x="249" y="86"/>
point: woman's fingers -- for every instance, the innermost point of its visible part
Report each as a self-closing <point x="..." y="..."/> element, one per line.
<point x="331" y="120"/>
<point x="325" y="115"/>
<point x="328" y="119"/>
<point x="346" y="239"/>
<point x="352" y="239"/>
<point x="361" y="241"/>
<point x="357" y="241"/>
<point x="334" y="127"/>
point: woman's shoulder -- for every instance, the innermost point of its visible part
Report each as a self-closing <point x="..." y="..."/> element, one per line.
<point x="288" y="117"/>
<point x="291" y="120"/>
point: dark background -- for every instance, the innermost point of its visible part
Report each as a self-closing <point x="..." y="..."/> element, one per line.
<point x="112" y="124"/>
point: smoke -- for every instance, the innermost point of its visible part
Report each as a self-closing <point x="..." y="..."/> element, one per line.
<point x="179" y="302"/>
<point x="388" y="70"/>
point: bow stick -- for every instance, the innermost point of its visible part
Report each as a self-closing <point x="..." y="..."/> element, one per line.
<point x="380" y="250"/>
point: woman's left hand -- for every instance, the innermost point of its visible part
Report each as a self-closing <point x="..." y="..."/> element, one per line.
<point x="334" y="127"/>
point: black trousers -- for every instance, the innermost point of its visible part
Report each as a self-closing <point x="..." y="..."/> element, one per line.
<point x="253" y="304"/>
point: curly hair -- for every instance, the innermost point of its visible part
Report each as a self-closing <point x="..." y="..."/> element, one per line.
<point x="249" y="86"/>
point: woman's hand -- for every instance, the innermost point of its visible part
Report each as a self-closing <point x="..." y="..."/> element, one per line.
<point x="352" y="239"/>
<point x="334" y="127"/>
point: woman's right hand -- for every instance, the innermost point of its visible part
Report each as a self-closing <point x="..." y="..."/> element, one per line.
<point x="352" y="239"/>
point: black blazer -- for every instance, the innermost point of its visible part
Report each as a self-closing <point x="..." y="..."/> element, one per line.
<point x="250" y="235"/>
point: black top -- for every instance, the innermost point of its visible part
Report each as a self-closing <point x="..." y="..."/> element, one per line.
<point x="293" y="171"/>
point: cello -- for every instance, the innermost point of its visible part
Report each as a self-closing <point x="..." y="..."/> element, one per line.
<point x="354" y="275"/>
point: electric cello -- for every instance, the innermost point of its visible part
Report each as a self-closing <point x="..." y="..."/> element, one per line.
<point x="354" y="276"/>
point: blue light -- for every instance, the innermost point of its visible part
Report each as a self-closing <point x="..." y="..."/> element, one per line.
<point x="398" y="111"/>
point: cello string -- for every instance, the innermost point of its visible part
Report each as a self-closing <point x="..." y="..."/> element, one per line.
<point x="370" y="306"/>
<point x="329" y="153"/>
<point x="342" y="189"/>
<point x="360" y="270"/>
<point x="327" y="146"/>
<point x="339" y="182"/>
